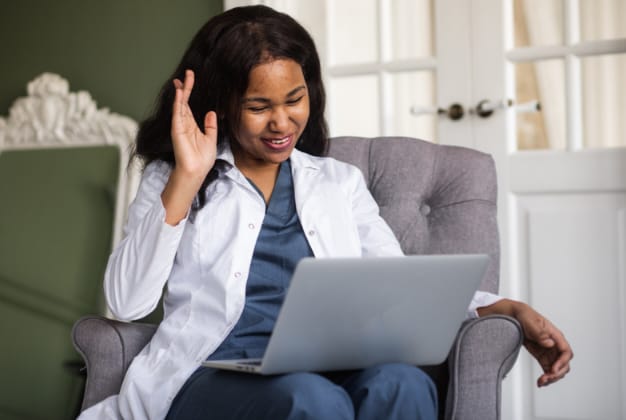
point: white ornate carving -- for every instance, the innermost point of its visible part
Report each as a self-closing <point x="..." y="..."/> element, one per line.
<point x="52" y="116"/>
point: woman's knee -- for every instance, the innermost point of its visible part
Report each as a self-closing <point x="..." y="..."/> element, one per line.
<point x="409" y="374"/>
<point x="400" y="374"/>
<point x="401" y="390"/>
<point x="309" y="396"/>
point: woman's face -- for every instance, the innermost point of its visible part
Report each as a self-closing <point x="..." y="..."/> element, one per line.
<point x="275" y="110"/>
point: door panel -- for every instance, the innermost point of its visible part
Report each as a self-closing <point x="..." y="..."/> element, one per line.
<point x="572" y="262"/>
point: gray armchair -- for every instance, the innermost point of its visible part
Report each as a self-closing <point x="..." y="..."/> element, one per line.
<point x="438" y="200"/>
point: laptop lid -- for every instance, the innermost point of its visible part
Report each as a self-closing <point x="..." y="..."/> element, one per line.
<point x="350" y="313"/>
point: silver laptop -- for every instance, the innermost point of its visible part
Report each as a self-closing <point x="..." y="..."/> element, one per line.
<point x="351" y="313"/>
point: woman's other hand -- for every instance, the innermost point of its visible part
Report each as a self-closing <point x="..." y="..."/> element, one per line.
<point x="541" y="338"/>
<point x="195" y="152"/>
<point x="545" y="343"/>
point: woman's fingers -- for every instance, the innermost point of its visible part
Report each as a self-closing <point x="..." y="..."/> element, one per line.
<point x="547" y="344"/>
<point x="178" y="97"/>
<point x="182" y="93"/>
<point x="188" y="85"/>
<point x="210" y="124"/>
<point x="555" y="356"/>
<point x="561" y="366"/>
<point x="194" y="150"/>
<point x="556" y="374"/>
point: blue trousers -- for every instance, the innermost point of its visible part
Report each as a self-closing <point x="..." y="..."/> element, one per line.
<point x="384" y="392"/>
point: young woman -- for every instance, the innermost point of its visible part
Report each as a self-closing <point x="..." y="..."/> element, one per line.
<point x="234" y="193"/>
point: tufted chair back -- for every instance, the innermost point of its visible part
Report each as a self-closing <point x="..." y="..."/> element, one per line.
<point x="437" y="199"/>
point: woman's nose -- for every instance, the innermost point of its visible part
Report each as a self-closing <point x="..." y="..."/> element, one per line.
<point x="280" y="120"/>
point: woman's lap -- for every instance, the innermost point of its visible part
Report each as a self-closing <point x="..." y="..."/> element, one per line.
<point x="390" y="391"/>
<point x="211" y="393"/>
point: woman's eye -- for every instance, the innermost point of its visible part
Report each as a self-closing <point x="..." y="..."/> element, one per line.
<point x="295" y="101"/>
<point x="257" y="108"/>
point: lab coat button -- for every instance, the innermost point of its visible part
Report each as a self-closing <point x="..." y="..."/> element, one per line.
<point x="251" y="225"/>
<point x="238" y="274"/>
<point x="311" y="232"/>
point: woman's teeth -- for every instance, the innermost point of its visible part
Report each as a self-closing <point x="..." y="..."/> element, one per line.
<point x="279" y="141"/>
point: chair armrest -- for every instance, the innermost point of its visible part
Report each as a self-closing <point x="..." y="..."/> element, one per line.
<point x="483" y="353"/>
<point x="107" y="347"/>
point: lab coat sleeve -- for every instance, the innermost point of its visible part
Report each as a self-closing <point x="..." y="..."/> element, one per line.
<point x="479" y="300"/>
<point x="140" y="265"/>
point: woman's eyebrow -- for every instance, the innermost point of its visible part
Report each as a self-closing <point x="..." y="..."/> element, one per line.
<point x="266" y="100"/>
<point x="296" y="90"/>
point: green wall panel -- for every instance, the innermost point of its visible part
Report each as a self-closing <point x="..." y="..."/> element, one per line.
<point x="56" y="224"/>
<point x="120" y="51"/>
<point x="35" y="383"/>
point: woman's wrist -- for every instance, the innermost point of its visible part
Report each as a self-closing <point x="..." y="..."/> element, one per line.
<point x="502" y="307"/>
<point x="179" y="192"/>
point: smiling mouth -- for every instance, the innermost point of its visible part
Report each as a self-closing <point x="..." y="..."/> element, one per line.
<point x="279" y="141"/>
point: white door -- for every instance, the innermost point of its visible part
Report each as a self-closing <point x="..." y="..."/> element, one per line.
<point x="562" y="174"/>
<point x="392" y="65"/>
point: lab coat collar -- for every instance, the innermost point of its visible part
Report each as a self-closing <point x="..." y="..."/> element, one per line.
<point x="304" y="160"/>
<point x="225" y="154"/>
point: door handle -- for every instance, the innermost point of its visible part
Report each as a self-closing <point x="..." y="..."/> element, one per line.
<point x="486" y="108"/>
<point x="455" y="111"/>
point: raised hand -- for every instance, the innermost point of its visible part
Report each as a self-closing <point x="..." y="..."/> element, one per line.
<point x="194" y="151"/>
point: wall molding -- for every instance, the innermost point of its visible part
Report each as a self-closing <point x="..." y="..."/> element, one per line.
<point x="52" y="116"/>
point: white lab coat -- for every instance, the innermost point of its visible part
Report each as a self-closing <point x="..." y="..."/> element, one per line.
<point x="205" y="259"/>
